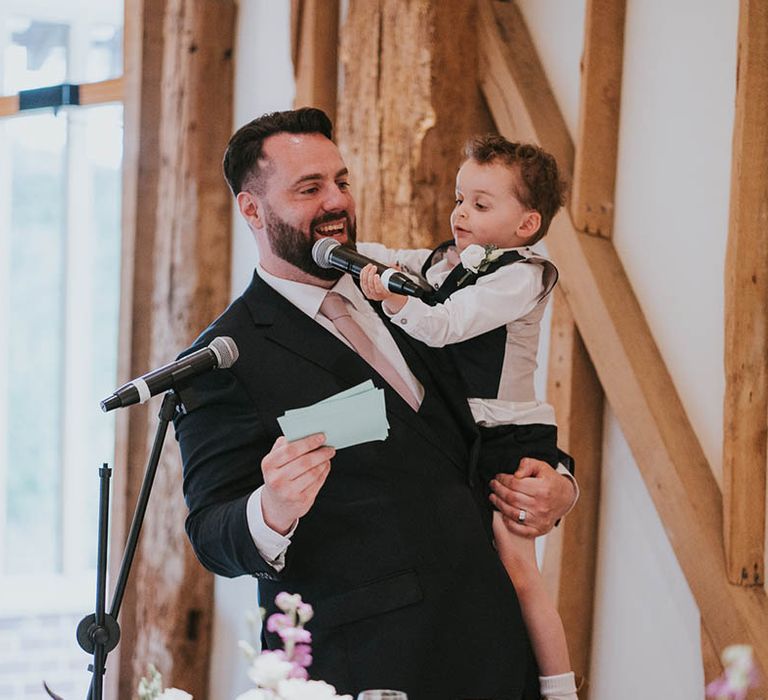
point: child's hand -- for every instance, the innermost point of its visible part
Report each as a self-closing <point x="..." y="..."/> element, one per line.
<point x="373" y="288"/>
<point x="371" y="284"/>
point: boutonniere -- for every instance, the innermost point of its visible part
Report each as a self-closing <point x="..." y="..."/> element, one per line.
<point x="476" y="258"/>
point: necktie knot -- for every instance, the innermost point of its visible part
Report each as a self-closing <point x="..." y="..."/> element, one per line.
<point x="334" y="306"/>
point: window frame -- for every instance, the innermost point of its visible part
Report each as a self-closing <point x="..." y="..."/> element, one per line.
<point x="29" y="594"/>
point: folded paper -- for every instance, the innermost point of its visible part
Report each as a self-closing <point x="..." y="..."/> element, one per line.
<point x="348" y="418"/>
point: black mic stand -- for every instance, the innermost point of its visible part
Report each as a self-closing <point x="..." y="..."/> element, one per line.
<point x="98" y="634"/>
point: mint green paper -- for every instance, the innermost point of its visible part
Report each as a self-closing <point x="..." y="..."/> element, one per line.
<point x="352" y="391"/>
<point x="348" y="418"/>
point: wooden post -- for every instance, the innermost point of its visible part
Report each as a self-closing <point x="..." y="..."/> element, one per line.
<point x="569" y="566"/>
<point x="594" y="176"/>
<point x="572" y="386"/>
<point x="143" y="54"/>
<point x="314" y="39"/>
<point x="176" y="269"/>
<point x="746" y="310"/>
<point x="405" y="113"/>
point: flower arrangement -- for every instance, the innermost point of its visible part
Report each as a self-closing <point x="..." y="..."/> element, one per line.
<point x="280" y="674"/>
<point x="739" y="674"/>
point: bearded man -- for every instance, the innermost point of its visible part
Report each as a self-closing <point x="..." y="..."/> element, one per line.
<point x="388" y="540"/>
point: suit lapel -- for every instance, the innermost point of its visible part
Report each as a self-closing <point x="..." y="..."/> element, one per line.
<point x="294" y="331"/>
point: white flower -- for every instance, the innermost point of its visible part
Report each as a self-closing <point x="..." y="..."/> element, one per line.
<point x="475" y="257"/>
<point x="296" y="689"/>
<point x="268" y="669"/>
<point x="174" y="694"/>
<point x="738" y="663"/>
<point x="472" y="256"/>
<point x="256" y="694"/>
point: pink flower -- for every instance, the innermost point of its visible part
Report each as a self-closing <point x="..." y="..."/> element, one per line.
<point x="299" y="672"/>
<point x="278" y="621"/>
<point x="302" y="655"/>
<point x="297" y="635"/>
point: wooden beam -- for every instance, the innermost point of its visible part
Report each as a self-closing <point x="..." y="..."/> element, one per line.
<point x="713" y="667"/>
<point x="572" y="386"/>
<point x="575" y="392"/>
<point x="143" y="57"/>
<point x="90" y="94"/>
<point x="315" y="40"/>
<point x="9" y="105"/>
<point x="628" y="363"/>
<point x="177" y="264"/>
<point x="746" y="309"/>
<point x="594" y="176"/>
<point x="510" y="75"/>
<point x="404" y="116"/>
<point x="104" y="91"/>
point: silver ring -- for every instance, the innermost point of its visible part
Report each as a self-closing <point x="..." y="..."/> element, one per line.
<point x="521" y="516"/>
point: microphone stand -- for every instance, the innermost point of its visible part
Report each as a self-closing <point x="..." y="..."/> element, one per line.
<point x="99" y="633"/>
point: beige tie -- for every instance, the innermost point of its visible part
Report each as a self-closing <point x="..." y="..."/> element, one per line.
<point x="334" y="308"/>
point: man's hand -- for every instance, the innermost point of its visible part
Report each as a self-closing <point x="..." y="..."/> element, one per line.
<point x="293" y="472"/>
<point x="538" y="490"/>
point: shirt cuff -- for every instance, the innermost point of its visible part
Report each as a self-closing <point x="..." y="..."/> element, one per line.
<point x="271" y="545"/>
<point x="413" y="312"/>
<point x="562" y="470"/>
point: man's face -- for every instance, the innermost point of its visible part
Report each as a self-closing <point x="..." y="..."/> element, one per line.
<point x="306" y="196"/>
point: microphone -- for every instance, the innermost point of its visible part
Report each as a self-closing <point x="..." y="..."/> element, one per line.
<point x="328" y="253"/>
<point x="221" y="353"/>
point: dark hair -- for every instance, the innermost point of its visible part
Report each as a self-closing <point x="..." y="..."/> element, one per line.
<point x="245" y="148"/>
<point x="540" y="185"/>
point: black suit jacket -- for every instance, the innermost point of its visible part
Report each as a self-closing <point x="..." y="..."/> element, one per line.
<point x="395" y="554"/>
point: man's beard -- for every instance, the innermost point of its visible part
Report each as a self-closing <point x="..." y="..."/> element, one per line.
<point x="295" y="247"/>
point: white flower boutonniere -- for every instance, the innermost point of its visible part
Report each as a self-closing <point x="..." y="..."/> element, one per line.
<point x="476" y="258"/>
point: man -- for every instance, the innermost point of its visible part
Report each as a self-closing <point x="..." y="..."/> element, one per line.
<point x="387" y="540"/>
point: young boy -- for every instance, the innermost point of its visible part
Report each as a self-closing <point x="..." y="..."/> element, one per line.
<point x="490" y="292"/>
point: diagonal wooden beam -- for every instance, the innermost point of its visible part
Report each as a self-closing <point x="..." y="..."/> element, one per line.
<point x="628" y="363"/>
<point x="745" y="410"/>
<point x="597" y="141"/>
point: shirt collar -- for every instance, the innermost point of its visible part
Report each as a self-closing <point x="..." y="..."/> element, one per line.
<point x="308" y="297"/>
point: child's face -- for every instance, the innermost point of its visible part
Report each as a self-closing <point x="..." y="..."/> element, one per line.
<point x="487" y="211"/>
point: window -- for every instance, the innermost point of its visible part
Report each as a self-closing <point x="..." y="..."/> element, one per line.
<point x="60" y="191"/>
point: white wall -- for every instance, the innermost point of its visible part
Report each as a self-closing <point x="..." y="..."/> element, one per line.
<point x="670" y="232"/>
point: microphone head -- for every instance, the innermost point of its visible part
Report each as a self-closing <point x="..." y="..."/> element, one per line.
<point x="321" y="251"/>
<point x="225" y="350"/>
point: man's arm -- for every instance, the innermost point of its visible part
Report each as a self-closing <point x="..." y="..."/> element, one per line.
<point x="543" y="493"/>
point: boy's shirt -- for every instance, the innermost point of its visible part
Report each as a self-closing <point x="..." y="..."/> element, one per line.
<point x="513" y="296"/>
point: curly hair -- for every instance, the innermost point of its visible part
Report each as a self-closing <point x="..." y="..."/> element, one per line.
<point x="246" y="147"/>
<point x="540" y="186"/>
